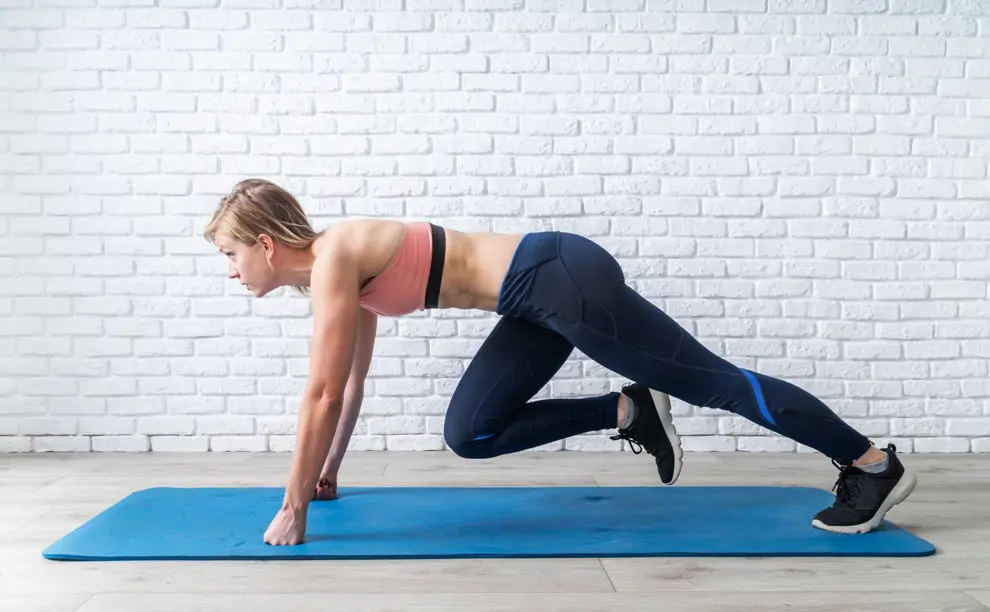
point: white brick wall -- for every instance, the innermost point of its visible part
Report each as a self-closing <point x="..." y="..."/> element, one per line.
<point x="801" y="183"/>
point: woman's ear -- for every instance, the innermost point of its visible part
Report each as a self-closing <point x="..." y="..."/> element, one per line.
<point x="268" y="245"/>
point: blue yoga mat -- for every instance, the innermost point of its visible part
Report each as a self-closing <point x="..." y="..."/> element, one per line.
<point x="442" y="522"/>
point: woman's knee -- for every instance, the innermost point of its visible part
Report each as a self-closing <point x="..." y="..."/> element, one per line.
<point x="742" y="394"/>
<point x="468" y="446"/>
<point x="730" y="392"/>
<point x="464" y="442"/>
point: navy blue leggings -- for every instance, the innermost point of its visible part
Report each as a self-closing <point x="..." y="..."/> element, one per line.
<point x="564" y="291"/>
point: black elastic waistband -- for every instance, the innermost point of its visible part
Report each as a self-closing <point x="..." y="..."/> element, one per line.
<point x="439" y="239"/>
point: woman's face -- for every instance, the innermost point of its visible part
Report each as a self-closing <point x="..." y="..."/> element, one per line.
<point x="248" y="264"/>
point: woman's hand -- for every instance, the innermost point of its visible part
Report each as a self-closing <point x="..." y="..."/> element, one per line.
<point x="288" y="528"/>
<point x="326" y="488"/>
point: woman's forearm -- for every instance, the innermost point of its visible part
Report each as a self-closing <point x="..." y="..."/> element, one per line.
<point x="353" y="398"/>
<point x="318" y="420"/>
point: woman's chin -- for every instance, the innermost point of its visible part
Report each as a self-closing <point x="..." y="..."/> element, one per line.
<point x="259" y="290"/>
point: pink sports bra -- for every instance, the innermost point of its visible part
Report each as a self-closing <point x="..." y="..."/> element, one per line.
<point x="411" y="280"/>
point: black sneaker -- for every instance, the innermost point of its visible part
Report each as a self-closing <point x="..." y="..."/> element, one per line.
<point x="863" y="499"/>
<point x="653" y="430"/>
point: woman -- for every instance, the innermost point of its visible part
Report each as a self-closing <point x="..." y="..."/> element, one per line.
<point x="554" y="291"/>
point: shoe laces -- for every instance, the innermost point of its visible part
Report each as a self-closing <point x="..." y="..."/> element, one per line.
<point x="850" y="482"/>
<point x="848" y="485"/>
<point x="623" y="434"/>
<point x="626" y="434"/>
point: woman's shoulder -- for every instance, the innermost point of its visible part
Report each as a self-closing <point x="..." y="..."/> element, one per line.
<point x="366" y="242"/>
<point x="358" y="232"/>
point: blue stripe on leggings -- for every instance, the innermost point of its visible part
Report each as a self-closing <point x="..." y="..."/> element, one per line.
<point x="759" y="397"/>
<point x="483" y="436"/>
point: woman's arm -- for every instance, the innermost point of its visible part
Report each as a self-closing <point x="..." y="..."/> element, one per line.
<point x="354" y="392"/>
<point x="336" y="307"/>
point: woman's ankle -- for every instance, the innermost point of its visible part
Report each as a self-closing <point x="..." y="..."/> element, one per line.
<point x="872" y="455"/>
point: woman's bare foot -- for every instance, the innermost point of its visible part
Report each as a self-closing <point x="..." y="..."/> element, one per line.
<point x="326" y="488"/>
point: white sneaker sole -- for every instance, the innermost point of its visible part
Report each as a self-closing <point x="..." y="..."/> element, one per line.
<point x="899" y="493"/>
<point x="662" y="402"/>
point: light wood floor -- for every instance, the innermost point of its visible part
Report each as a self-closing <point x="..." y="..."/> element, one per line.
<point x="44" y="496"/>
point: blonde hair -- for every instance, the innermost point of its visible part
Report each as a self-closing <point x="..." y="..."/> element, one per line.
<point x="255" y="207"/>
